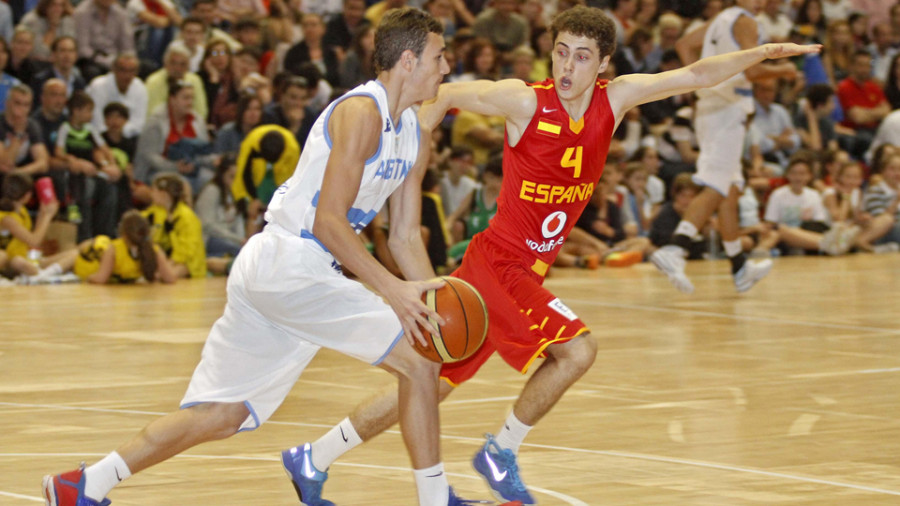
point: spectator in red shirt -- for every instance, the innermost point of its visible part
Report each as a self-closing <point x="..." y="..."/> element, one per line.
<point x="863" y="102"/>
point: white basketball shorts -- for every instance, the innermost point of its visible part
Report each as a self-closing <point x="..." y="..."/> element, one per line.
<point x="721" y="127"/>
<point x="286" y="299"/>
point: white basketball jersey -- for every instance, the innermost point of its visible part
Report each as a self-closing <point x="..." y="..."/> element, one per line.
<point x="719" y="39"/>
<point x="293" y="207"/>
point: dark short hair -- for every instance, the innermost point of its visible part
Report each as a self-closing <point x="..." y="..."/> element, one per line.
<point x="401" y="30"/>
<point x="192" y="20"/>
<point x="116" y="108"/>
<point x="271" y="146"/>
<point x="819" y="94"/>
<point x="80" y="99"/>
<point x="57" y="41"/>
<point x="461" y="152"/>
<point x="494" y="165"/>
<point x="587" y="22"/>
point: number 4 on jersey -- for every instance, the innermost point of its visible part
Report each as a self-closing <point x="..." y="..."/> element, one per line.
<point x="572" y="159"/>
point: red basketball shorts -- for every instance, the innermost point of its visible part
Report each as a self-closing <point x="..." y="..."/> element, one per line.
<point x="524" y="317"/>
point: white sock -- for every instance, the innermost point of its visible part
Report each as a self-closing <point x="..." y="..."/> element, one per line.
<point x="733" y="248"/>
<point x="432" y="485"/>
<point x="512" y="434"/>
<point x="339" y="440"/>
<point x="51" y="270"/>
<point x="101" y="477"/>
<point x="686" y="228"/>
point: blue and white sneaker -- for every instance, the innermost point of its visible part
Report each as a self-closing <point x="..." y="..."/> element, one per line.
<point x="459" y="501"/>
<point x="498" y="466"/>
<point x="306" y="478"/>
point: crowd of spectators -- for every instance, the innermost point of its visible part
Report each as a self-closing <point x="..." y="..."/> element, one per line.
<point x="112" y="99"/>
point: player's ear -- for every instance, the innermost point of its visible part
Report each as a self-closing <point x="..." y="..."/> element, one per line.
<point x="408" y="60"/>
<point x="604" y="63"/>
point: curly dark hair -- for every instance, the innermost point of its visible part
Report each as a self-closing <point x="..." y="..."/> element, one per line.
<point x="587" y="22"/>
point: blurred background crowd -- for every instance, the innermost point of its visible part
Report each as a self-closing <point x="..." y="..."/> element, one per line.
<point x="193" y="111"/>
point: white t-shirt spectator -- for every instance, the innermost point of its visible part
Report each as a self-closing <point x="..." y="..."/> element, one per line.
<point x="452" y="195"/>
<point x="787" y="208"/>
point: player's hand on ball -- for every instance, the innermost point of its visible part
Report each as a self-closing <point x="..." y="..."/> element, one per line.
<point x="406" y="301"/>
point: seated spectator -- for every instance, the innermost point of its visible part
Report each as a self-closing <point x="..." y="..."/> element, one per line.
<point x="18" y="236"/>
<point x="888" y="133"/>
<point x="757" y="237"/>
<point x="93" y="172"/>
<point x="809" y="19"/>
<point x="50" y="117"/>
<point x="666" y="221"/>
<point x="634" y="55"/>
<point x="175" y="66"/>
<point x="340" y="30"/>
<point x="165" y="128"/>
<point x="358" y="66"/>
<point x="224" y="231"/>
<point x="444" y="11"/>
<point x="192" y="37"/>
<point x="481" y="61"/>
<point x="602" y="219"/>
<point x="838" y="52"/>
<point x="892" y="84"/>
<point x="130" y="258"/>
<point x="249" y="33"/>
<point x="267" y="159"/>
<point x="103" y="30"/>
<point x="542" y="44"/>
<point x="21" y="144"/>
<point x="800" y="218"/>
<point x="249" y="116"/>
<point x="637" y="211"/>
<point x="774" y="25"/>
<point x="434" y="225"/>
<point x="242" y="78"/>
<point x="176" y="229"/>
<point x="863" y="102"/>
<point x="881" y="202"/>
<point x="122" y="86"/>
<point x="882" y="51"/>
<point x="48" y="21"/>
<point x="208" y="12"/>
<point x="815" y="125"/>
<point x="649" y="159"/>
<point x="154" y="22"/>
<point x="482" y="134"/>
<point x="20" y="63"/>
<point x="290" y="111"/>
<point x="311" y="49"/>
<point x="6" y="21"/>
<point x="779" y="139"/>
<point x="502" y="25"/>
<point x="477" y="208"/>
<point x="843" y="201"/>
<point x="521" y="63"/>
<point x="123" y="149"/>
<point x="216" y="70"/>
<point x="459" y="180"/>
<point x="63" y="55"/>
<point x="6" y="81"/>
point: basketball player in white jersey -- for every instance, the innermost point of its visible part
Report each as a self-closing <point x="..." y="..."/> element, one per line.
<point x="287" y="296"/>
<point x="721" y="122"/>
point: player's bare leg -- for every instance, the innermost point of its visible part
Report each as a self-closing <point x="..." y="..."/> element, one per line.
<point x="160" y="440"/>
<point x="670" y="259"/>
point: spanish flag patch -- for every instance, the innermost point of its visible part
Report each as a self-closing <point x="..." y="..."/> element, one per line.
<point x="549" y="128"/>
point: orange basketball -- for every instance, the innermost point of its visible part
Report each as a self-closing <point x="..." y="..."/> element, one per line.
<point x="466" y="322"/>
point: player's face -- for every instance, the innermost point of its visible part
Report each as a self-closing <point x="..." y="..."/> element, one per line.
<point x="576" y="64"/>
<point x="431" y="67"/>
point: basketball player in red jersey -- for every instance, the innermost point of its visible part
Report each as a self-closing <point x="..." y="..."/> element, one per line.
<point x="557" y="136"/>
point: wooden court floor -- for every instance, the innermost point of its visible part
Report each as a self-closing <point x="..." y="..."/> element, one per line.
<point x="789" y="394"/>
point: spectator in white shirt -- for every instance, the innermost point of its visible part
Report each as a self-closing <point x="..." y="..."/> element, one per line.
<point x="120" y="85"/>
<point x="779" y="137"/>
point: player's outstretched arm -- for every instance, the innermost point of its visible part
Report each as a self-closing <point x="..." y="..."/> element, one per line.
<point x="631" y="90"/>
<point x="510" y="98"/>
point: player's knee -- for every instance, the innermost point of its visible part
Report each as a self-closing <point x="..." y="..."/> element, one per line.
<point x="219" y="420"/>
<point x="405" y="361"/>
<point x="579" y="353"/>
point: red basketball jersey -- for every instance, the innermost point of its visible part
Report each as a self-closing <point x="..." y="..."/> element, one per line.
<point x="549" y="177"/>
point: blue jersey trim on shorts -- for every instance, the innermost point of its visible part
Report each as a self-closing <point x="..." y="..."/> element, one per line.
<point x="306" y="234"/>
<point x="390" y="348"/>
<point x="328" y="117"/>
<point x="246" y="403"/>
<point x="255" y="418"/>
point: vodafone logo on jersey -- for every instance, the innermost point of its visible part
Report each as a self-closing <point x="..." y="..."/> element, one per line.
<point x="552" y="226"/>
